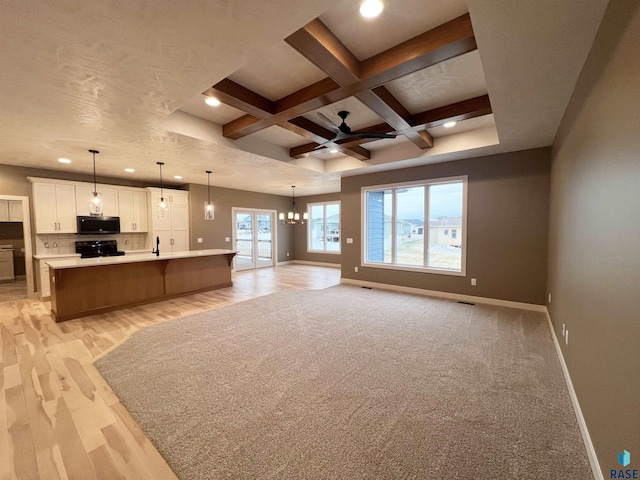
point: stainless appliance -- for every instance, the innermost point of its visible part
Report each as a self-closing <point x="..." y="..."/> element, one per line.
<point x="92" y="225"/>
<point x="98" y="248"/>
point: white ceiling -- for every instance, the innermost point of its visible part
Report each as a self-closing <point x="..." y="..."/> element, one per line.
<point x="127" y="79"/>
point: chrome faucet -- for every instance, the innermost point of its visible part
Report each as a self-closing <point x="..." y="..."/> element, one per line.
<point x="157" y="250"/>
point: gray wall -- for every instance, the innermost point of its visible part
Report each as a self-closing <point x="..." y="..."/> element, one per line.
<point x="594" y="253"/>
<point x="213" y="232"/>
<point x="301" y="231"/>
<point x="508" y="201"/>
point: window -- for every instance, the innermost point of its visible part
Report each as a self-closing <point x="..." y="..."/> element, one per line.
<point x="406" y="226"/>
<point x="324" y="227"/>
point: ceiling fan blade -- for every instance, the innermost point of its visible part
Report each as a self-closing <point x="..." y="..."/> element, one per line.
<point x="329" y="124"/>
<point x="332" y="141"/>
<point x="373" y="135"/>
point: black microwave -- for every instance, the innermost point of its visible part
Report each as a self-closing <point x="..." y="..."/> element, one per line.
<point x="98" y="225"/>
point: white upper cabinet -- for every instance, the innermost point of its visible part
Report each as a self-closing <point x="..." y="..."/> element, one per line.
<point x="109" y="200"/>
<point x="4" y="210"/>
<point x="10" y="210"/>
<point x="15" y="211"/>
<point x="54" y="207"/>
<point x="132" y="205"/>
<point x="173" y="229"/>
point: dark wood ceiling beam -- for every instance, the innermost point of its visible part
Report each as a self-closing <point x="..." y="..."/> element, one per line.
<point x="321" y="47"/>
<point x="381" y="101"/>
<point x="241" y="127"/>
<point x="351" y="149"/>
<point x="308" y="129"/>
<point x="235" y="95"/>
<point x="442" y="43"/>
<point x="356" y="152"/>
<point x="464" y="110"/>
<point x="304" y="100"/>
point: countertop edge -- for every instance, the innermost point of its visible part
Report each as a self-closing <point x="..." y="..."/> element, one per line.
<point x="133" y="258"/>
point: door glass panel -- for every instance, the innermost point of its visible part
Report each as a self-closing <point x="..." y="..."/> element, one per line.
<point x="244" y="240"/>
<point x="265" y="240"/>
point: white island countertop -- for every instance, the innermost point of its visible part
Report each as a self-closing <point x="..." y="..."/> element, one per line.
<point x="133" y="258"/>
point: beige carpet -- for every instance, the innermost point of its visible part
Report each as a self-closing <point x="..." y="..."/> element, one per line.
<point x="351" y="383"/>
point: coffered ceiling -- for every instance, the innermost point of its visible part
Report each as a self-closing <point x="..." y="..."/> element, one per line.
<point x="130" y="80"/>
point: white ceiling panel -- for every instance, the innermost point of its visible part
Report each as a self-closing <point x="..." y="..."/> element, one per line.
<point x="447" y="82"/>
<point x="280" y="136"/>
<point x="277" y="72"/>
<point x="366" y="37"/>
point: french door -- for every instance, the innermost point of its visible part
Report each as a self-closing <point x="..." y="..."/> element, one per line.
<point x="254" y="238"/>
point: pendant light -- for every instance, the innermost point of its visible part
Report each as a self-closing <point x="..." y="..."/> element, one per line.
<point x="293" y="216"/>
<point x="162" y="207"/>
<point x="208" y="206"/>
<point x="95" y="199"/>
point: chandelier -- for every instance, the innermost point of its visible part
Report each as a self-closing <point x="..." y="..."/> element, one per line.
<point x="293" y="216"/>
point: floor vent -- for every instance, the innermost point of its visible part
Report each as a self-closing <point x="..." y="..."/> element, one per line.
<point x="467" y="303"/>
<point x="368" y="288"/>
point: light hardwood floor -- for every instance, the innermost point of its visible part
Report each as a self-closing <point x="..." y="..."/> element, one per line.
<point x="59" y="418"/>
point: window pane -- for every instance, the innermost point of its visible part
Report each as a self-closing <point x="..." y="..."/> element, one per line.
<point x="316" y="227"/>
<point x="409" y="226"/>
<point x="445" y="213"/>
<point x="379" y="210"/>
<point x="332" y="226"/>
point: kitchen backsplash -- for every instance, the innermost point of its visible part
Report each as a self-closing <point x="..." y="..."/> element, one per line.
<point x="59" y="244"/>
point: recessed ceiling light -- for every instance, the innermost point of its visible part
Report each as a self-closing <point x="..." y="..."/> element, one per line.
<point x="333" y="150"/>
<point x="371" y="8"/>
<point x="64" y="160"/>
<point x="214" y="102"/>
<point x="177" y="177"/>
<point x="129" y="170"/>
<point x="449" y="124"/>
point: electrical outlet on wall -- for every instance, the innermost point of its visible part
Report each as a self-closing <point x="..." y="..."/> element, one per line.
<point x="199" y="240"/>
<point x="355" y="269"/>
<point x="473" y="282"/>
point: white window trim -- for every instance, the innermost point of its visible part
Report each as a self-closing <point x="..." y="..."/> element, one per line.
<point x="309" y="249"/>
<point x="415" y="183"/>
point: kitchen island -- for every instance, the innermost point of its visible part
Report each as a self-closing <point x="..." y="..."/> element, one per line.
<point x="86" y="286"/>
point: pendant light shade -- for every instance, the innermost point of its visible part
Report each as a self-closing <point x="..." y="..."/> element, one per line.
<point x="162" y="209"/>
<point x="208" y="206"/>
<point x="293" y="215"/>
<point x="95" y="199"/>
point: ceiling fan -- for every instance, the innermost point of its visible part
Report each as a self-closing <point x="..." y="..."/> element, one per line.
<point x="343" y="130"/>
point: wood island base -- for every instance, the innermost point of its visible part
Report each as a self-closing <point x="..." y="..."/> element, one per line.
<point x="98" y="288"/>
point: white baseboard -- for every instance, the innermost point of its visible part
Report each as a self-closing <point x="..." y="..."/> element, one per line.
<point x="447" y="295"/>
<point x="317" y="264"/>
<point x="586" y="438"/>
<point x="286" y="262"/>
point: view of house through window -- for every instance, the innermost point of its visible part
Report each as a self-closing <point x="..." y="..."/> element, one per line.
<point x="416" y="226"/>
<point x="324" y="227"/>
